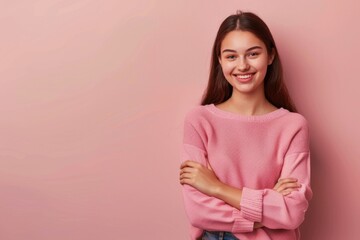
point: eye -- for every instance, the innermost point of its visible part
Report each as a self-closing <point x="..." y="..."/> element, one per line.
<point x="253" y="54"/>
<point x="230" y="57"/>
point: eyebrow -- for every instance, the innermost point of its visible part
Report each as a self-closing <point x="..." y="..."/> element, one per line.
<point x="252" y="48"/>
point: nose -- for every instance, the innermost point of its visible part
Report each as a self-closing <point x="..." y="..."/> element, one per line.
<point x="242" y="64"/>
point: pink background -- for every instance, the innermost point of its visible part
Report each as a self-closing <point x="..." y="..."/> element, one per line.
<point x="93" y="95"/>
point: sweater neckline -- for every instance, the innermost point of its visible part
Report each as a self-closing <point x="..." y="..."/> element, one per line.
<point x="253" y="118"/>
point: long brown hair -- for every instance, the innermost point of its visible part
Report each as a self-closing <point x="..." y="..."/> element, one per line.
<point x="219" y="90"/>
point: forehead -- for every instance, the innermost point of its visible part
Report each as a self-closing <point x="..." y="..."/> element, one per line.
<point x="240" y="41"/>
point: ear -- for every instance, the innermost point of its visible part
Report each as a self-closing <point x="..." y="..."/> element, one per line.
<point x="271" y="57"/>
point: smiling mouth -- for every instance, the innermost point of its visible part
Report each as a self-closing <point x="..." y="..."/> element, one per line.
<point x="244" y="77"/>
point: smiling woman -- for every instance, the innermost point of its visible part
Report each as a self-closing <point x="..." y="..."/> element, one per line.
<point x="246" y="161"/>
<point x="244" y="61"/>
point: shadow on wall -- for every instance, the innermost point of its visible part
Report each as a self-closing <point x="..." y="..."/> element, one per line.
<point x="327" y="217"/>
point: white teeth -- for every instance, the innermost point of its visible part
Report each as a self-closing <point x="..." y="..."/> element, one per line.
<point x="244" y="76"/>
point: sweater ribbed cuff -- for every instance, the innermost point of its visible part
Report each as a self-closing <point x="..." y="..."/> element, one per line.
<point x="241" y="224"/>
<point x="251" y="204"/>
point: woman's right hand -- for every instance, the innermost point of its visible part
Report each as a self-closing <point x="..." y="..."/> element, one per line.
<point x="287" y="185"/>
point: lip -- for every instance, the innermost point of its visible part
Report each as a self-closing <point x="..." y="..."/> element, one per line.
<point x="244" y="77"/>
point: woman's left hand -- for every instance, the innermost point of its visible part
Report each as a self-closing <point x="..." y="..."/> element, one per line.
<point x="200" y="177"/>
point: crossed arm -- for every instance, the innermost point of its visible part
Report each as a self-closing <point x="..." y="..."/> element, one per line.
<point x="213" y="205"/>
<point x="205" y="180"/>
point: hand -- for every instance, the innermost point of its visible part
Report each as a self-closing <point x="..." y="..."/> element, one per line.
<point x="287" y="185"/>
<point x="198" y="176"/>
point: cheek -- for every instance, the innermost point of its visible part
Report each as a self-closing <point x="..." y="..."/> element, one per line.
<point x="227" y="68"/>
<point x="261" y="65"/>
<point x="226" y="71"/>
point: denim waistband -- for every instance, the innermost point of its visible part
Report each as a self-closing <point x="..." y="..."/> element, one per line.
<point x="210" y="235"/>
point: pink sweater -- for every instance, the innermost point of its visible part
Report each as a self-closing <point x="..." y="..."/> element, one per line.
<point x="250" y="153"/>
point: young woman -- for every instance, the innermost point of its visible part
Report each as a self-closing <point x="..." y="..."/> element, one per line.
<point x="246" y="163"/>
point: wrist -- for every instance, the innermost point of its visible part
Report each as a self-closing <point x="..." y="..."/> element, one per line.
<point x="228" y="194"/>
<point x="217" y="190"/>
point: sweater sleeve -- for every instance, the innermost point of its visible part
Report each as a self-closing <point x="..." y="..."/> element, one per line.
<point x="205" y="212"/>
<point x="271" y="208"/>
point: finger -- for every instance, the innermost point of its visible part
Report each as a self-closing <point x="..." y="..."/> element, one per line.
<point x="277" y="185"/>
<point x="187" y="170"/>
<point x="286" y="186"/>
<point x="189" y="163"/>
<point x="288" y="191"/>
<point x="186" y="176"/>
<point x="185" y="163"/>
<point x="284" y="180"/>
<point x="285" y="193"/>
<point x="184" y="181"/>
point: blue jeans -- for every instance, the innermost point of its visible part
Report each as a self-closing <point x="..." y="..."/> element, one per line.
<point x="218" y="236"/>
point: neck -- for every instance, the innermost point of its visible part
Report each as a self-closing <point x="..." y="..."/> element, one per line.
<point x="249" y="104"/>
